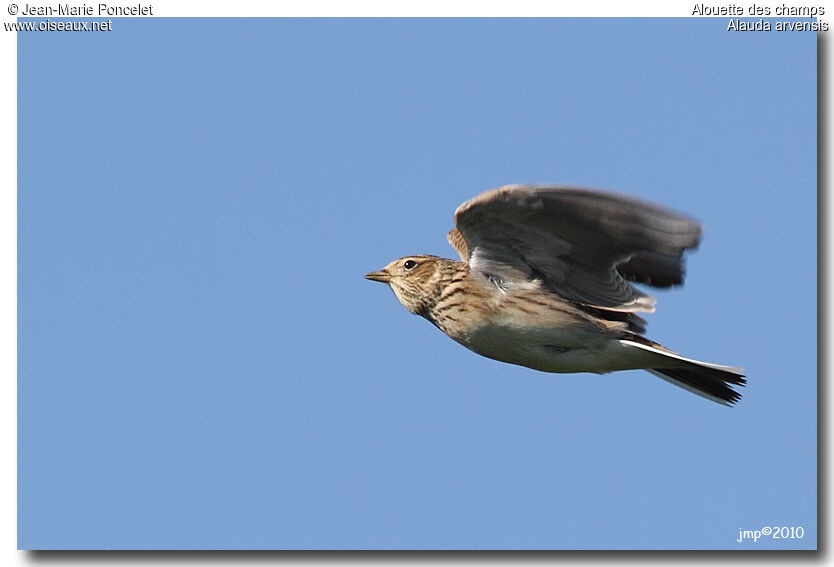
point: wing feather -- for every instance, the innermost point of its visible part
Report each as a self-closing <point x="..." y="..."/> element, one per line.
<point x="583" y="245"/>
<point x="457" y="241"/>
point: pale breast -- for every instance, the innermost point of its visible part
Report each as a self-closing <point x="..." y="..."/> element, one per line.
<point x="531" y="329"/>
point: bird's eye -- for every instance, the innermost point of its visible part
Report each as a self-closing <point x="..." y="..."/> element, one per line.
<point x="409" y="264"/>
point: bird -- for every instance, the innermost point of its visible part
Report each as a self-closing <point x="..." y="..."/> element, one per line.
<point x="545" y="281"/>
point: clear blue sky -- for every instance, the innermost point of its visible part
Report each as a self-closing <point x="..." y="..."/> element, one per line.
<point x="202" y="364"/>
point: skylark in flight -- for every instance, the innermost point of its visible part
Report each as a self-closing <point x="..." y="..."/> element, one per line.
<point x="543" y="282"/>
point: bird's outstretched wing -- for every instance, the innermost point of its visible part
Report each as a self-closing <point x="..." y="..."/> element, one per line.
<point x="583" y="245"/>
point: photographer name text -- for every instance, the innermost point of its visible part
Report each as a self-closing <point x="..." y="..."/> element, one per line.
<point x="30" y="10"/>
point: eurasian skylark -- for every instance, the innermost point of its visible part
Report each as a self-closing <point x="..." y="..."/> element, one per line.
<point x="543" y="282"/>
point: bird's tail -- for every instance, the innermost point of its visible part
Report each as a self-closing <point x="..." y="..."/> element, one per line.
<point x="711" y="381"/>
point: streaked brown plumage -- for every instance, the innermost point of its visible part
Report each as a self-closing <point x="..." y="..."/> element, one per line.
<point x="543" y="283"/>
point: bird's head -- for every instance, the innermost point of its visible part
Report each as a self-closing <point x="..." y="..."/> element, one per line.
<point x="414" y="279"/>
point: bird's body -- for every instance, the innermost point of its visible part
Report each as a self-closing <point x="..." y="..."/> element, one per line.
<point x="542" y="284"/>
<point x="514" y="323"/>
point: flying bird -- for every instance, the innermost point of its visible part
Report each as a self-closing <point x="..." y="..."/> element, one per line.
<point x="544" y="278"/>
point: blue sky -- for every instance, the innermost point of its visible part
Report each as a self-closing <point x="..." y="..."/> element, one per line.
<point x="202" y="365"/>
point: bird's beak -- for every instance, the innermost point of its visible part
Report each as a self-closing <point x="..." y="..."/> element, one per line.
<point x="380" y="276"/>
